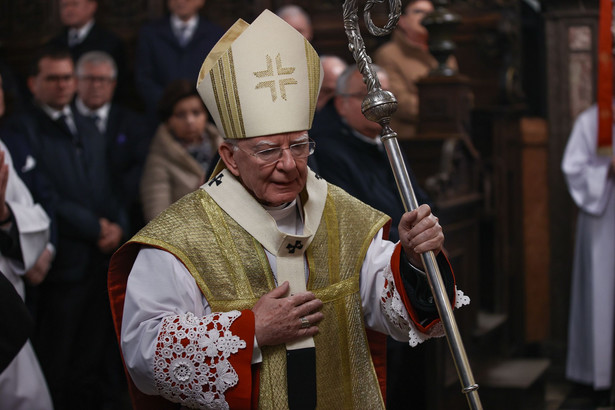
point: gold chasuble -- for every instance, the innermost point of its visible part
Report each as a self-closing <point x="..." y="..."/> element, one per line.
<point x="232" y="270"/>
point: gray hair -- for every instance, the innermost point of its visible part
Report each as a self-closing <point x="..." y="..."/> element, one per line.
<point x="341" y="87"/>
<point x="293" y="10"/>
<point x="96" y="58"/>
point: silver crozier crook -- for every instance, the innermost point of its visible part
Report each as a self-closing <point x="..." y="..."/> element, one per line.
<point x="378" y="106"/>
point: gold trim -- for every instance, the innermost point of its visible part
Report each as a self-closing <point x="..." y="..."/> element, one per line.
<point x="224" y="86"/>
<point x="313" y="69"/>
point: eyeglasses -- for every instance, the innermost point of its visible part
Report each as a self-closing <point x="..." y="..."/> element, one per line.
<point x="57" y="78"/>
<point x="272" y="155"/>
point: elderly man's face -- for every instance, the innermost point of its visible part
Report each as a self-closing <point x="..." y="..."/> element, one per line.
<point x="95" y="84"/>
<point x="55" y="83"/>
<point x="348" y="105"/>
<point x="76" y="13"/>
<point x="272" y="184"/>
<point x="185" y="9"/>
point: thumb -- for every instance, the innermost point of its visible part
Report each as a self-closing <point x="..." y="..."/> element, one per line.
<point x="409" y="218"/>
<point x="280" y="291"/>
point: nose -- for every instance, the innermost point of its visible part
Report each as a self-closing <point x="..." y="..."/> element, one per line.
<point x="287" y="160"/>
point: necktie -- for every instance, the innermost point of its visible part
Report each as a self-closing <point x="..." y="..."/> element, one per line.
<point x="73" y="38"/>
<point x="69" y="126"/>
<point x="98" y="122"/>
<point x="182" y="35"/>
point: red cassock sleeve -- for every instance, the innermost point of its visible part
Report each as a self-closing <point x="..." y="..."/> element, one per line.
<point x="239" y="330"/>
<point x="445" y="269"/>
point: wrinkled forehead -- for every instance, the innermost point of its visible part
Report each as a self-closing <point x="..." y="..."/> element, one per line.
<point x="276" y="139"/>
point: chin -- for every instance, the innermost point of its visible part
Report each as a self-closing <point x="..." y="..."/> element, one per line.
<point x="281" y="198"/>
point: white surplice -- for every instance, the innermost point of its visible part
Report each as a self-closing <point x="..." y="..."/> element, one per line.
<point x="22" y="385"/>
<point x="592" y="306"/>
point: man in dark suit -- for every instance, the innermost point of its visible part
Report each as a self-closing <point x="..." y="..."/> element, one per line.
<point x="172" y="48"/>
<point x="73" y="323"/>
<point x="81" y="33"/>
<point x="350" y="155"/>
<point x="127" y="134"/>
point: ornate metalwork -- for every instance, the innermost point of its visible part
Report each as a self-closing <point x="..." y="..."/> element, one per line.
<point x="378" y="106"/>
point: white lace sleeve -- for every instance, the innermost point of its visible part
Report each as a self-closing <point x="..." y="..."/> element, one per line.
<point x="191" y="359"/>
<point x="395" y="311"/>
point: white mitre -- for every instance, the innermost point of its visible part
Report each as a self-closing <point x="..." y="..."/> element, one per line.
<point x="261" y="79"/>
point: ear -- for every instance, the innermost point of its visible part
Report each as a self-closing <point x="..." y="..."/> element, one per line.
<point x="31" y="84"/>
<point x="340" y="103"/>
<point x="227" y="153"/>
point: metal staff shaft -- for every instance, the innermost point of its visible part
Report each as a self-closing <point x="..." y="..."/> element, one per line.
<point x="378" y="106"/>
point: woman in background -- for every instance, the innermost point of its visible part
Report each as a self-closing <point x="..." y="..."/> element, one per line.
<point x="182" y="149"/>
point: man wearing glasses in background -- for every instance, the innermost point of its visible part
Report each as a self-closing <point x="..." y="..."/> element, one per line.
<point x="126" y="133"/>
<point x="72" y="318"/>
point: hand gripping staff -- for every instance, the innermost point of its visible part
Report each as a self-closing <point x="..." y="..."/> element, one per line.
<point x="378" y="106"/>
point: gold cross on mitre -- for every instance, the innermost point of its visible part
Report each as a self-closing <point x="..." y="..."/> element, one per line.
<point x="279" y="71"/>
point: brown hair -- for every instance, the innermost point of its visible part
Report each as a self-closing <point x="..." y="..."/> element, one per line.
<point x="173" y="93"/>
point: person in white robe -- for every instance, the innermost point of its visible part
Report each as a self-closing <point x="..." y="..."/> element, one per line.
<point x="591" y="182"/>
<point x="22" y="384"/>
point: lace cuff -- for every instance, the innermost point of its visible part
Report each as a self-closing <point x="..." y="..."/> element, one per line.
<point x="394" y="309"/>
<point x="192" y="359"/>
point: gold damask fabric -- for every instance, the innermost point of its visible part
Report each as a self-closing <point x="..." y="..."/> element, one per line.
<point x="232" y="271"/>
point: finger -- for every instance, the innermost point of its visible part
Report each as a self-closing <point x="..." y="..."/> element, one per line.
<point x="426" y="225"/>
<point x="4" y="177"/>
<point x="280" y="291"/>
<point x="308" y="307"/>
<point x="408" y="219"/>
<point x="299" y="298"/>
<point x="315" y="318"/>
<point x="431" y="244"/>
<point x="310" y="331"/>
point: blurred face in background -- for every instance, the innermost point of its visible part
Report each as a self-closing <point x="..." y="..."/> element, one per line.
<point x="188" y="120"/>
<point x="185" y="9"/>
<point x="54" y="85"/>
<point x="348" y="105"/>
<point x="301" y="24"/>
<point x="410" y="21"/>
<point x="76" y="13"/>
<point x="96" y="84"/>
<point x="332" y="68"/>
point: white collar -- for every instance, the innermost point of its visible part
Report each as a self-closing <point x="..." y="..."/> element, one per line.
<point x="55" y="114"/>
<point x="178" y="23"/>
<point x="372" y="141"/>
<point x="232" y="197"/>
<point x="102" y="112"/>
<point x="288" y="217"/>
